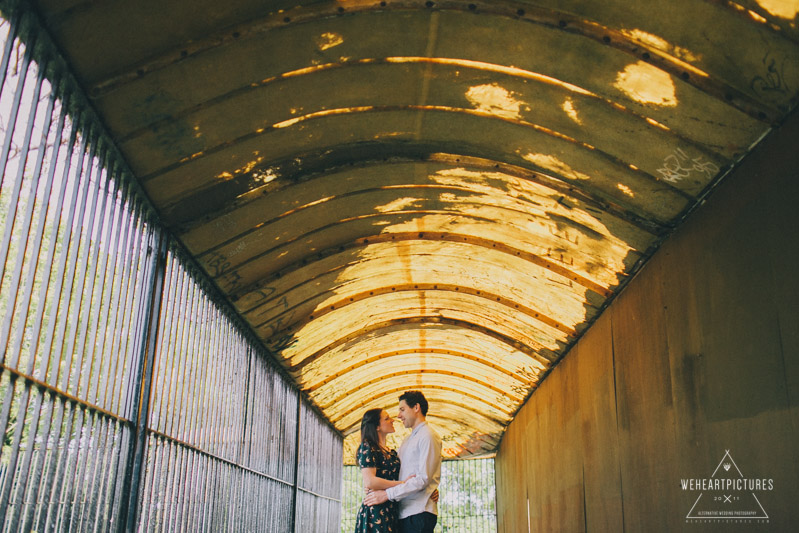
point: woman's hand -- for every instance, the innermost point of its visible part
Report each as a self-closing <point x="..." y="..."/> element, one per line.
<point x="434" y="496"/>
<point x="407" y="478"/>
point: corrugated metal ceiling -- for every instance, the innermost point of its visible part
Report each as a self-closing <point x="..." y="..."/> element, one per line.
<point x="431" y="195"/>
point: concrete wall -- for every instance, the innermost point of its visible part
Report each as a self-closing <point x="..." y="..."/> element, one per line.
<point x="697" y="356"/>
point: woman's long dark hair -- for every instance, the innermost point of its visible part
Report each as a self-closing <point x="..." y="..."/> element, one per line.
<point x="369" y="423"/>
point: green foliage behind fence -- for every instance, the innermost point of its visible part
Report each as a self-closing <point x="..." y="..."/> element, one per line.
<point x="467" y="504"/>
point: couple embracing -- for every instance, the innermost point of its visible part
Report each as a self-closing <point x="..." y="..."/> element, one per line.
<point x="391" y="505"/>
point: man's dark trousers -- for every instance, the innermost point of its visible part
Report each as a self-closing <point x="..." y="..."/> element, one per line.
<point x="419" y="523"/>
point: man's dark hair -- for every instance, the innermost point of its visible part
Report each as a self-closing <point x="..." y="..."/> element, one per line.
<point x="415" y="397"/>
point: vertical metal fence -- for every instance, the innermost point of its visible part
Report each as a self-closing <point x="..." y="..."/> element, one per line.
<point x="320" y="470"/>
<point x="467" y="501"/>
<point x="131" y="399"/>
<point x="221" y="451"/>
<point x="351" y="497"/>
<point x="468" y="497"/>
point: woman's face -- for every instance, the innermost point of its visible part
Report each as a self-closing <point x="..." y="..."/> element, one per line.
<point x="386" y="424"/>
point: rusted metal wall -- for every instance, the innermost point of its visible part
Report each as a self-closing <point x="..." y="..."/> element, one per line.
<point x="694" y="367"/>
<point x="132" y="398"/>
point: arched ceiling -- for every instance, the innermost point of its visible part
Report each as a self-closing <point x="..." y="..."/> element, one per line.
<point x="430" y="195"/>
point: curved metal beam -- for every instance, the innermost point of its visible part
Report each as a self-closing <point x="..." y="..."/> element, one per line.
<point x="502" y="403"/>
<point x="534" y="354"/>
<point x="354" y="194"/>
<point x="419" y="371"/>
<point x="535" y="259"/>
<point x="547" y="17"/>
<point x="292" y="327"/>
<point x="464" y="64"/>
<point x="390" y="395"/>
<point x="221" y="199"/>
<point x="486" y="115"/>
<point x="348" y="429"/>
<point x="395" y="390"/>
<point x="515" y="382"/>
<point x="395" y="353"/>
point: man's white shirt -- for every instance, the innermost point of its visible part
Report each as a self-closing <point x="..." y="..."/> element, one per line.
<point x="419" y="454"/>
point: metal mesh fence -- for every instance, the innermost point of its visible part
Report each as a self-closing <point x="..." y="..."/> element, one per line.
<point x="467" y="501"/>
<point x="131" y="399"/>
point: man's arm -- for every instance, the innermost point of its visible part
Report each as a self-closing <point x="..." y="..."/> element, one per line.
<point x="372" y="482"/>
<point x="379" y="496"/>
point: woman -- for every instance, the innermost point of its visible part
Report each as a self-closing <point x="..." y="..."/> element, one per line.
<point x="380" y="466"/>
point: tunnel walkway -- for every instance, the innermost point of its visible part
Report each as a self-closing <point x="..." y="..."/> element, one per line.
<point x="229" y="228"/>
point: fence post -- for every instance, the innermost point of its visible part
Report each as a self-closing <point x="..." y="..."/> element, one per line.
<point x="296" y="465"/>
<point x="134" y="473"/>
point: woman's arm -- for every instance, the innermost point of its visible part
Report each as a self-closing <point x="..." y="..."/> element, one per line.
<point x="372" y="482"/>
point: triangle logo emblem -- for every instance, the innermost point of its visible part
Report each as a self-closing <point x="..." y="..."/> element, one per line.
<point x="727" y="495"/>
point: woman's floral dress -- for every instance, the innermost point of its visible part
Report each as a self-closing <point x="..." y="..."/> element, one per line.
<point x="378" y="518"/>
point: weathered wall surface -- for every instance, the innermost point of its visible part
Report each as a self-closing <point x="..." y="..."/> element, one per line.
<point x="699" y="355"/>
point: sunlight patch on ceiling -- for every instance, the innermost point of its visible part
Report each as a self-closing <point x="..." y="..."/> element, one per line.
<point x="325" y="113"/>
<point x="550" y="162"/>
<point x="626" y="190"/>
<point x="511" y="192"/>
<point x="492" y="67"/>
<point x="416" y="339"/>
<point x="786" y="9"/>
<point x="495" y="100"/>
<point x="662" y="44"/>
<point x="657" y="125"/>
<point x="329" y="40"/>
<point x="264" y="177"/>
<point x="647" y="85"/>
<point x="504" y="189"/>
<point x="465" y="63"/>
<point x="475" y="179"/>
<point x="247" y="167"/>
<point x="568" y="108"/>
<point x="398" y="205"/>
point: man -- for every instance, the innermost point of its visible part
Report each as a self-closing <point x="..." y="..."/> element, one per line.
<point x="420" y="456"/>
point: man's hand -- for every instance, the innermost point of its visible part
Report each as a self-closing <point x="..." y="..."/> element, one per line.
<point x="376" y="498"/>
<point x="434" y="496"/>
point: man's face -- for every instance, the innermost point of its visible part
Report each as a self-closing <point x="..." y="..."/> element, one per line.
<point x="407" y="414"/>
